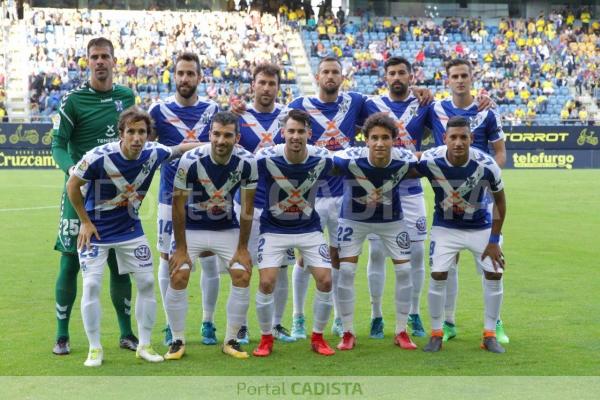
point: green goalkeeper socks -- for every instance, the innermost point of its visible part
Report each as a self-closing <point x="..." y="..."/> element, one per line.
<point x="66" y="291"/>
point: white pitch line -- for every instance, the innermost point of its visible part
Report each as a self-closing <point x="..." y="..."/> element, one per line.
<point x="27" y="208"/>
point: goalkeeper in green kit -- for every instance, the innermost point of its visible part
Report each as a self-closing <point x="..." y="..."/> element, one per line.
<point x="88" y="117"/>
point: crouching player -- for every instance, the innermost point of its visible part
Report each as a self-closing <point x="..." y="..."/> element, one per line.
<point x="371" y="205"/>
<point x="117" y="176"/>
<point x="209" y="176"/>
<point x="460" y="176"/>
<point x="291" y="174"/>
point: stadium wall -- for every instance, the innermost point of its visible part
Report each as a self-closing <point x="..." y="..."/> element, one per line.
<point x="564" y="146"/>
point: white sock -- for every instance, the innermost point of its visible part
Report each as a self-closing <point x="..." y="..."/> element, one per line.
<point x="321" y="310"/>
<point x="280" y="295"/>
<point x="237" y="309"/>
<point x="492" y="295"/>
<point x="300" y="279"/>
<point x="145" y="306"/>
<point x="163" y="280"/>
<point x="403" y="295"/>
<point x="176" y="306"/>
<point x="264" y="311"/>
<point x="209" y="283"/>
<point x="451" y="294"/>
<point x="376" y="276"/>
<point x="437" y="296"/>
<point x="346" y="295"/>
<point x="335" y="278"/>
<point x="90" y="308"/>
<point x="417" y="274"/>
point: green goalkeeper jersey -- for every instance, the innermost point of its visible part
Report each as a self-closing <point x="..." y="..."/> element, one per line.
<point x="87" y="118"/>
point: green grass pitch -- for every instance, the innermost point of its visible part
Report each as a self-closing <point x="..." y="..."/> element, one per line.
<point x="551" y="308"/>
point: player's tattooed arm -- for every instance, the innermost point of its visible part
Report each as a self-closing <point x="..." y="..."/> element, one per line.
<point x="493" y="249"/>
<point x="180" y="255"/>
<point x="424" y="95"/>
<point x="242" y="255"/>
<point x="87" y="229"/>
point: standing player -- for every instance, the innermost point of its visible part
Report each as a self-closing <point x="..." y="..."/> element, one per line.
<point x="290" y="173"/>
<point x="333" y="121"/>
<point x="259" y="128"/>
<point x="486" y="128"/>
<point x="460" y="176"/>
<point x="180" y="119"/>
<point x="210" y="176"/>
<point x="87" y="118"/>
<point x="117" y="176"/>
<point x="371" y="205"/>
<point x="410" y="118"/>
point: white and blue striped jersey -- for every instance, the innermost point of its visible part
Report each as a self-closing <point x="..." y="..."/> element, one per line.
<point x="175" y="124"/>
<point x="411" y="120"/>
<point x="212" y="186"/>
<point x="333" y="126"/>
<point x="460" y="192"/>
<point x="371" y="193"/>
<point x="116" y="187"/>
<point x="291" y="189"/>
<point x="257" y="131"/>
<point x="485" y="125"/>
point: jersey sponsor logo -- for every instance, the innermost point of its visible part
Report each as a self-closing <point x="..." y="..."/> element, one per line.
<point x="142" y="253"/>
<point x="219" y="201"/>
<point x="421" y="224"/>
<point x="376" y="195"/>
<point x="324" y="251"/>
<point x="106" y="100"/>
<point x="403" y="240"/>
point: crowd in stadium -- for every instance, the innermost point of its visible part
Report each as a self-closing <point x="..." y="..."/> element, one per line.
<point x="229" y="44"/>
<point x="527" y="66"/>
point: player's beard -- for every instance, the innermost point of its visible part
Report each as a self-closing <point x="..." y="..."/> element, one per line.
<point x="181" y="89"/>
<point x="331" y="89"/>
<point x="398" y="89"/>
<point x="266" y="101"/>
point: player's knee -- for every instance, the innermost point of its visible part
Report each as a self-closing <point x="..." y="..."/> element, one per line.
<point x="240" y="278"/>
<point x="439" y="276"/>
<point x="492" y="276"/>
<point x="267" y="286"/>
<point x="324" y="283"/>
<point x="144" y="283"/>
<point x="92" y="285"/>
<point x="179" y="281"/>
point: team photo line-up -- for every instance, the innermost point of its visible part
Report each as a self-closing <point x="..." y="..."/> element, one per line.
<point x="271" y="186"/>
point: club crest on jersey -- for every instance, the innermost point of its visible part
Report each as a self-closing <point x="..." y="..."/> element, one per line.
<point x="403" y="240"/>
<point x="345" y="105"/>
<point x="119" y="105"/>
<point x="324" y="251"/>
<point x="142" y="253"/>
<point x="235" y="176"/>
<point x="421" y="224"/>
<point x="146" y="167"/>
<point x="470" y="182"/>
<point x="475" y="121"/>
<point x="205" y="119"/>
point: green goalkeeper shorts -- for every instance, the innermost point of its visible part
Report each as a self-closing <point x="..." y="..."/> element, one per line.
<point x="68" y="227"/>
